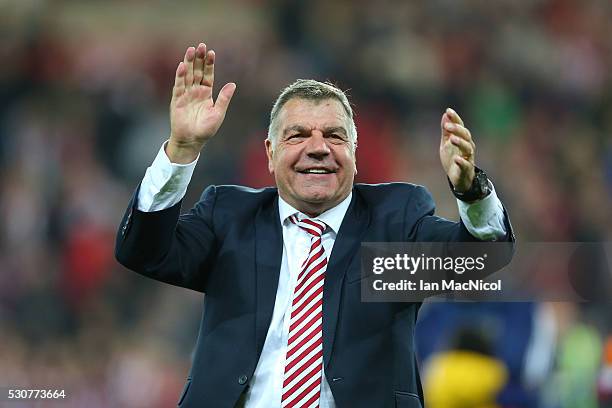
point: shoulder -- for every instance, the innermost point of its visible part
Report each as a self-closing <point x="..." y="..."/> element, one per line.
<point x="235" y="199"/>
<point x="395" y="204"/>
<point x="243" y="192"/>
<point x="397" y="198"/>
<point x="228" y="194"/>
<point x="393" y="193"/>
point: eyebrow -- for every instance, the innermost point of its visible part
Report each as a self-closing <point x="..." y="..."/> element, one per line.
<point x="327" y="130"/>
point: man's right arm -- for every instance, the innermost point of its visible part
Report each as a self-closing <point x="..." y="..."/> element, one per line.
<point x="153" y="239"/>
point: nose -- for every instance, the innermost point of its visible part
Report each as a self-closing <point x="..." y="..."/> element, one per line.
<point x="317" y="147"/>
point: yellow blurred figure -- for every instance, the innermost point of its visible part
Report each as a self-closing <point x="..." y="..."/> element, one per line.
<point x="463" y="379"/>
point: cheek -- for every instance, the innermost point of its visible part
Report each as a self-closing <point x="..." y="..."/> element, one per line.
<point x="281" y="165"/>
<point x="349" y="162"/>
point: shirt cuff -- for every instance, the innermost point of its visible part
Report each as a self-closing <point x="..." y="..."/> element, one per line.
<point x="164" y="183"/>
<point x="484" y="219"/>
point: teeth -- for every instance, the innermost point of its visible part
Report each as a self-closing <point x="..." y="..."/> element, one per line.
<point x="317" y="171"/>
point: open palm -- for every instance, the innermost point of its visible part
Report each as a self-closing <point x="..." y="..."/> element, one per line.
<point x="194" y="116"/>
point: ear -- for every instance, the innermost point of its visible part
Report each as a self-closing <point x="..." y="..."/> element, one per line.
<point x="269" y="153"/>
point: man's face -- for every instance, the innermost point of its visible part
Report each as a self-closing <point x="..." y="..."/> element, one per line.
<point x="313" y="161"/>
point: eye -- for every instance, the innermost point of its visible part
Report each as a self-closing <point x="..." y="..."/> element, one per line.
<point x="336" y="138"/>
<point x="294" y="138"/>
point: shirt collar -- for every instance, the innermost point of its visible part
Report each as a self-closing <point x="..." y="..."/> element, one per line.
<point x="332" y="217"/>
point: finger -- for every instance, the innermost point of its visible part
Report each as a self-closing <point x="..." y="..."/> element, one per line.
<point x="209" y="69"/>
<point x="463" y="164"/>
<point x="179" y="79"/>
<point x="445" y="120"/>
<point x="225" y="96"/>
<point x="458" y="130"/>
<point x="198" y="65"/>
<point x="467" y="151"/>
<point x="189" y="57"/>
<point x="454" y="116"/>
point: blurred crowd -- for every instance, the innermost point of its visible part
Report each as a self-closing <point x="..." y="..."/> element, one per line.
<point x="84" y="91"/>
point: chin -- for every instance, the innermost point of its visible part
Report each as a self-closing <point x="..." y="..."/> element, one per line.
<point x="317" y="198"/>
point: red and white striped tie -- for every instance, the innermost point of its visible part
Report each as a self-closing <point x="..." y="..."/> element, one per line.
<point x="304" y="360"/>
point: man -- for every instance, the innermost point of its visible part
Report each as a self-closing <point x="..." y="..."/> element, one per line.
<point x="283" y="322"/>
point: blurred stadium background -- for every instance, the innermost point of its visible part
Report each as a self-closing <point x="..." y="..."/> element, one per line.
<point x="84" y="91"/>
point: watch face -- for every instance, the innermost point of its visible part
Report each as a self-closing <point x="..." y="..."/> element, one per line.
<point x="483" y="182"/>
<point x="482" y="179"/>
<point x="480" y="187"/>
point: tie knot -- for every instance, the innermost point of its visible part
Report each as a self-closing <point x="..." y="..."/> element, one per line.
<point x="312" y="226"/>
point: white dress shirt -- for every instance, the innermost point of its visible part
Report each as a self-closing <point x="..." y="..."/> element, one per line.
<point x="165" y="184"/>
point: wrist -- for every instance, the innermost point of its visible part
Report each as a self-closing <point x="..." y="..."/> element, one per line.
<point x="181" y="153"/>
<point x="479" y="189"/>
<point x="464" y="184"/>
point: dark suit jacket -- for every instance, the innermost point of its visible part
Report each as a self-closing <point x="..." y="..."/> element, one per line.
<point x="229" y="246"/>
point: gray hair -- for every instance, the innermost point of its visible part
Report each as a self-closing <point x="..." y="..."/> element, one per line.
<point x="311" y="90"/>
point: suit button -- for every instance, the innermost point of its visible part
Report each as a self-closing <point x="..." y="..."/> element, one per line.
<point x="242" y="379"/>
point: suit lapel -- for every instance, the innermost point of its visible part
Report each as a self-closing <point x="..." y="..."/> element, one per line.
<point x="346" y="247"/>
<point x="268" y="256"/>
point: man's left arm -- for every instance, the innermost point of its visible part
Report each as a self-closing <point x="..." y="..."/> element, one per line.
<point x="481" y="211"/>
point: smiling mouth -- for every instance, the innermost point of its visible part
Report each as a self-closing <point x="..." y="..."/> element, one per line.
<point x="316" y="171"/>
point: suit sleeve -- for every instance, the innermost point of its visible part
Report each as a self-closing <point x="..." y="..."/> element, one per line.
<point x="169" y="247"/>
<point x="430" y="228"/>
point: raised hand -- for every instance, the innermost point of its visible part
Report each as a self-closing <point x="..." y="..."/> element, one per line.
<point x="457" y="151"/>
<point x="194" y="116"/>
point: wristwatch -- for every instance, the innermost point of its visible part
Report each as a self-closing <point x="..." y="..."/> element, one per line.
<point x="479" y="189"/>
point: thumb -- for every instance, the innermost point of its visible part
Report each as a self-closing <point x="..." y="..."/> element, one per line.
<point x="225" y="96"/>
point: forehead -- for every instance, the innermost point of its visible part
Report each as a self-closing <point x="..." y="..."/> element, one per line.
<point x="312" y="113"/>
